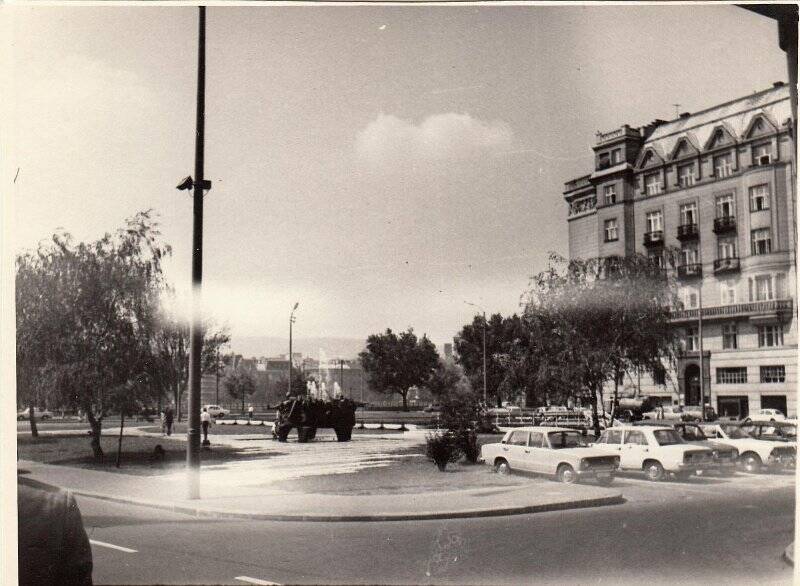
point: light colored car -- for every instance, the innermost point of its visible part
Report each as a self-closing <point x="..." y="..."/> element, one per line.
<point x="216" y="411"/>
<point x="754" y="453"/>
<point x="726" y="456"/>
<point x="654" y="450"/>
<point x="25" y="414"/>
<point x="671" y="413"/>
<point x="777" y="431"/>
<point x="767" y="415"/>
<point x="554" y="451"/>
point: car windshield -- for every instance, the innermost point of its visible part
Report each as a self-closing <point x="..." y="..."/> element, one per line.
<point x="565" y="439"/>
<point x="667" y="437"/>
<point x="780" y="430"/>
<point x="693" y="433"/>
<point x="789" y="430"/>
<point x="736" y="433"/>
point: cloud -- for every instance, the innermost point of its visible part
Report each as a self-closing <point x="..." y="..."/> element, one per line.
<point x="439" y="137"/>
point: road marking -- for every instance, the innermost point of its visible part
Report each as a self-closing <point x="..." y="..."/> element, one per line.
<point x="112" y="546"/>
<point x="255" y="581"/>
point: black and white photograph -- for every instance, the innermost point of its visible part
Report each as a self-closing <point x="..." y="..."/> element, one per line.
<point x="401" y="293"/>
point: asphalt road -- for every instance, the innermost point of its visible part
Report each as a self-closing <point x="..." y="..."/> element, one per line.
<point x="725" y="531"/>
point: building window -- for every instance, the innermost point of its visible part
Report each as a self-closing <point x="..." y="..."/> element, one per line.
<point x="729" y="337"/>
<point x="770" y="336"/>
<point x="652" y="183"/>
<point x="686" y="176"/>
<point x="660" y="375"/>
<point x="689" y="255"/>
<point x="726" y="247"/>
<point x="728" y="293"/>
<point x="654" y="222"/>
<point x="761" y="154"/>
<point x="723" y="165"/>
<point x="725" y="206"/>
<point x="763" y="288"/>
<point x="761" y="242"/>
<point x="603" y="161"/>
<point x="656" y="258"/>
<point x="759" y="198"/>
<point x="616" y="156"/>
<point x="692" y="340"/>
<point x="610" y="194"/>
<point x="611" y="230"/>
<point x="732" y="376"/>
<point x="773" y="374"/>
<point x="689" y="213"/>
<point x="690" y="298"/>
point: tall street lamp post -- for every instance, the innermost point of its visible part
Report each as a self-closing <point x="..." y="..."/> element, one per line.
<point x="484" y="347"/>
<point x="291" y="321"/>
<point x="196" y="329"/>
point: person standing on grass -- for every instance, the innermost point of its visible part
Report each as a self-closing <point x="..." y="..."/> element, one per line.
<point x="205" y="419"/>
<point x="169" y="418"/>
<point x="250" y="414"/>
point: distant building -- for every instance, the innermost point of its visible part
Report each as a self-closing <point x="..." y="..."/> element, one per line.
<point x="448" y="351"/>
<point x="719" y="185"/>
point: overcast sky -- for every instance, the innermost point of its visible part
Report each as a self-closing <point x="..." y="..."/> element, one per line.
<point x="380" y="165"/>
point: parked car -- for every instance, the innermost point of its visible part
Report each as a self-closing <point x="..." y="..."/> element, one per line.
<point x="25" y="414"/>
<point x="778" y="431"/>
<point x="726" y="456"/>
<point x="654" y="450"/>
<point x="432" y="408"/>
<point x="695" y="412"/>
<point x="767" y="415"/>
<point x="216" y="411"/>
<point x="671" y="413"/>
<point x="754" y="453"/>
<point x="510" y="411"/>
<point x="554" y="451"/>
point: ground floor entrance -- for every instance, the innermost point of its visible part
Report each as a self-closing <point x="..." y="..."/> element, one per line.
<point x="774" y="402"/>
<point x="733" y="406"/>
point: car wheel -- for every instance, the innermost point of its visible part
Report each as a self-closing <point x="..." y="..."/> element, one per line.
<point x="566" y="474"/>
<point x="501" y="467"/>
<point x="751" y="462"/>
<point x="654" y="470"/>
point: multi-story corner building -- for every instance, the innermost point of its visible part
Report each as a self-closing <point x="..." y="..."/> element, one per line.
<point x="718" y="187"/>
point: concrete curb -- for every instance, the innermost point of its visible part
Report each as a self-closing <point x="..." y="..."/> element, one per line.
<point x="201" y="511"/>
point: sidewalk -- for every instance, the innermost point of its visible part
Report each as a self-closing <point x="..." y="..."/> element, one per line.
<point x="249" y="501"/>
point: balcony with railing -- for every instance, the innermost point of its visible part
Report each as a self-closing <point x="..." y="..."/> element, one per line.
<point x="726" y="265"/>
<point x="654" y="238"/>
<point x="690" y="270"/>
<point x="688" y="232"/>
<point x="724" y="224"/>
<point x="778" y="307"/>
<point x="578" y="183"/>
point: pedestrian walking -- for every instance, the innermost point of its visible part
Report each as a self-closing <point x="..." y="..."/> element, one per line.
<point x="205" y="420"/>
<point x="169" y="418"/>
<point x="163" y="423"/>
<point x="249" y="414"/>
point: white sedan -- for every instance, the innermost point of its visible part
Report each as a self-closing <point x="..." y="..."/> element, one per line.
<point x="216" y="411"/>
<point x="38" y="413"/>
<point x="554" y="451"/>
<point x="768" y="415"/>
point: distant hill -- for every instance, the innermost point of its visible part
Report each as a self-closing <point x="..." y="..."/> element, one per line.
<point x="250" y="346"/>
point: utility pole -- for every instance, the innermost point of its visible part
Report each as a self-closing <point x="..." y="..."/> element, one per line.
<point x="700" y="336"/>
<point x="217" y="369"/>
<point x="196" y="330"/>
<point x="291" y="321"/>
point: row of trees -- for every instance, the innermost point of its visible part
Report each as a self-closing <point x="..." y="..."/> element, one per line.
<point x="92" y="332"/>
<point x="583" y="323"/>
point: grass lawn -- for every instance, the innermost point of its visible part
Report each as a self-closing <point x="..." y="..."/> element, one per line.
<point x="137" y="453"/>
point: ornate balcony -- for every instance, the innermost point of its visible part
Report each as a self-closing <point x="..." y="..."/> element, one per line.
<point x="753" y="309"/>
<point x="726" y="265"/>
<point x="688" y="232"/>
<point x="724" y="224"/>
<point x="690" y="271"/>
<point x="655" y="238"/>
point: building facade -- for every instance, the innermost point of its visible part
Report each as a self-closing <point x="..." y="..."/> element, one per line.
<point x="714" y="190"/>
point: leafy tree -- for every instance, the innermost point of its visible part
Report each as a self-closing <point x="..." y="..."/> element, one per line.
<point x="587" y="320"/>
<point x="240" y="384"/>
<point x="170" y="350"/>
<point x="86" y="315"/>
<point x="462" y="413"/>
<point x="504" y="336"/>
<point x="394" y="363"/>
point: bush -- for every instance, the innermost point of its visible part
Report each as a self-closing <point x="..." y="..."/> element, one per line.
<point x="442" y="448"/>
<point x="468" y="444"/>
